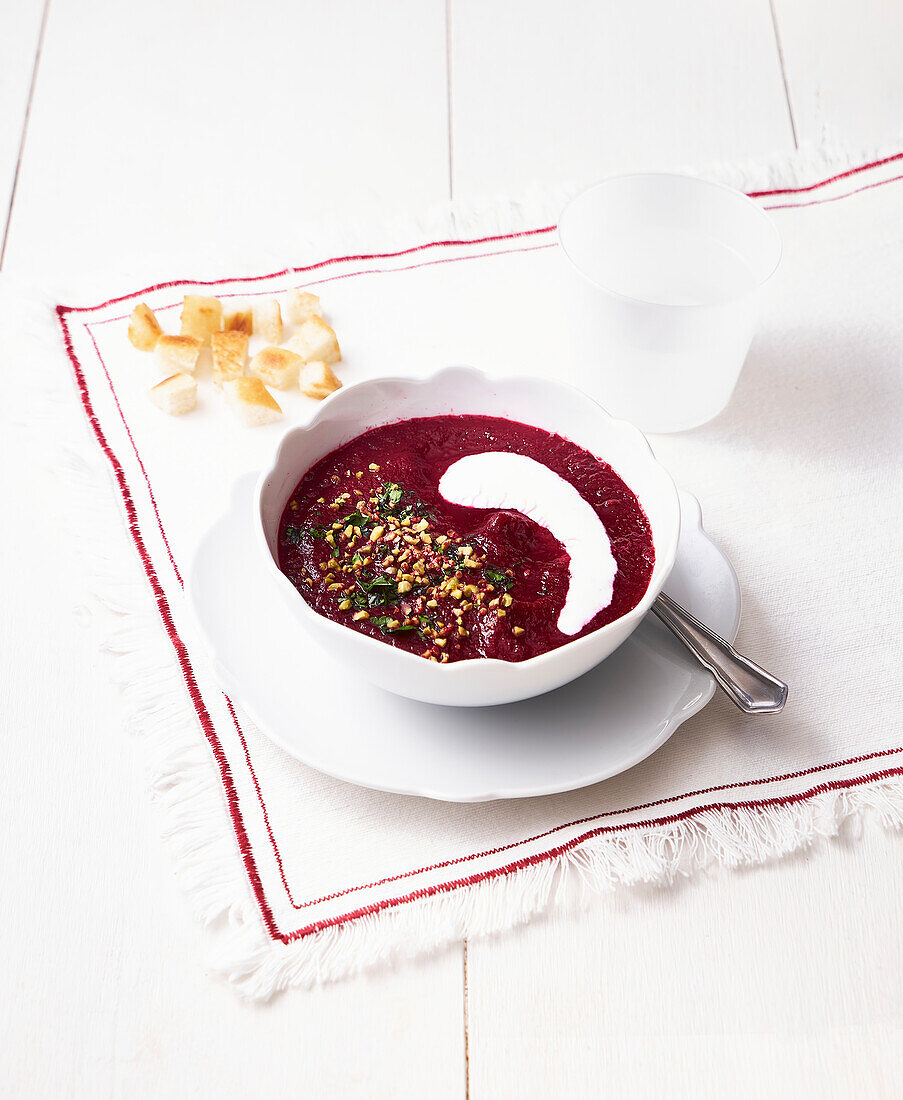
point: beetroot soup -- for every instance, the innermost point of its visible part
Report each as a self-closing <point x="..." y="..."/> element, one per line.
<point x="456" y="537"/>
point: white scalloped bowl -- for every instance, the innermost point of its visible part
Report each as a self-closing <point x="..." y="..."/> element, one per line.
<point x="554" y="406"/>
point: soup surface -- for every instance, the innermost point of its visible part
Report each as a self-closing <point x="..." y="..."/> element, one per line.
<point x="529" y="543"/>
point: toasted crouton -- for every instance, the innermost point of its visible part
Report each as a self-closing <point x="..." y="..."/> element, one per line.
<point x="178" y="353"/>
<point x="201" y="316"/>
<point x="301" y="306"/>
<point x="251" y="401"/>
<point x="230" y="353"/>
<point x="315" y="341"/>
<point x="316" y="379"/>
<point x="175" y="395"/>
<point x="144" y="328"/>
<point x="239" y="320"/>
<point x="268" y="320"/>
<point x="276" y="367"/>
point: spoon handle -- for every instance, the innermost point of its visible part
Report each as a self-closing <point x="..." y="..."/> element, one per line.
<point x="750" y="687"/>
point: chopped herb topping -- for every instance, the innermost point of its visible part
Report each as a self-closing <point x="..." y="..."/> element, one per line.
<point x="498" y="579"/>
<point x="388" y="625"/>
<point x="385" y="558"/>
<point x="389" y="496"/>
<point x="357" y="519"/>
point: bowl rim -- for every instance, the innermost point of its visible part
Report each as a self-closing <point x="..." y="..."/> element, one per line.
<point x="702" y="181"/>
<point x="481" y="666"/>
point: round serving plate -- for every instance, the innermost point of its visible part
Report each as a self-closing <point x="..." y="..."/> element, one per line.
<point x="322" y="713"/>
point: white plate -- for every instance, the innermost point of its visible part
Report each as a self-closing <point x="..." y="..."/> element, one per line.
<point x="593" y="728"/>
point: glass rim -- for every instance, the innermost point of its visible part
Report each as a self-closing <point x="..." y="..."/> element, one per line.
<point x="621" y="176"/>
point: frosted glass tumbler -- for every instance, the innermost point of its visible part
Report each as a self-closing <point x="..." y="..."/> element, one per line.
<point x="663" y="280"/>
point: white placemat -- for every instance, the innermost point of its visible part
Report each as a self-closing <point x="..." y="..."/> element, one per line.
<point x="303" y="878"/>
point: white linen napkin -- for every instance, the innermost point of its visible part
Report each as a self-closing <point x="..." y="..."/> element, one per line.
<point x="799" y="481"/>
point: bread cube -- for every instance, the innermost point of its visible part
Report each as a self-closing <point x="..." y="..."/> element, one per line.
<point x="277" y="367"/>
<point x="268" y="320"/>
<point x="230" y="353"/>
<point x="251" y="401"/>
<point x="178" y="353"/>
<point x="317" y="380"/>
<point x="144" y="328"/>
<point x="239" y="320"/>
<point x="315" y="340"/>
<point x="175" y="395"/>
<point x="301" y="306"/>
<point x="201" y="316"/>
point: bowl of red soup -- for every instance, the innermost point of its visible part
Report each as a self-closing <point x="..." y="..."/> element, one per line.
<point x="465" y="539"/>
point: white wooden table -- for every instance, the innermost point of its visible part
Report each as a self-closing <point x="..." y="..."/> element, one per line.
<point x="127" y="133"/>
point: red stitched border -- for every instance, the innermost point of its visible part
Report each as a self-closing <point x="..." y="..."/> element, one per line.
<point x="178" y="645"/>
<point x="552" y="853"/>
<point x="206" y="722"/>
<point x="263" y="807"/>
<point x="354" y="274"/>
<point x="831" y="179"/>
<point x="313" y="267"/>
<point x="833" y="198"/>
<point x="814" y="770"/>
<point x="451" y="243"/>
<point x="128" y="430"/>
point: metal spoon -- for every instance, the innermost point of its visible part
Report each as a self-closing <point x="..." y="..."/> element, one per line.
<point x="745" y="683"/>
